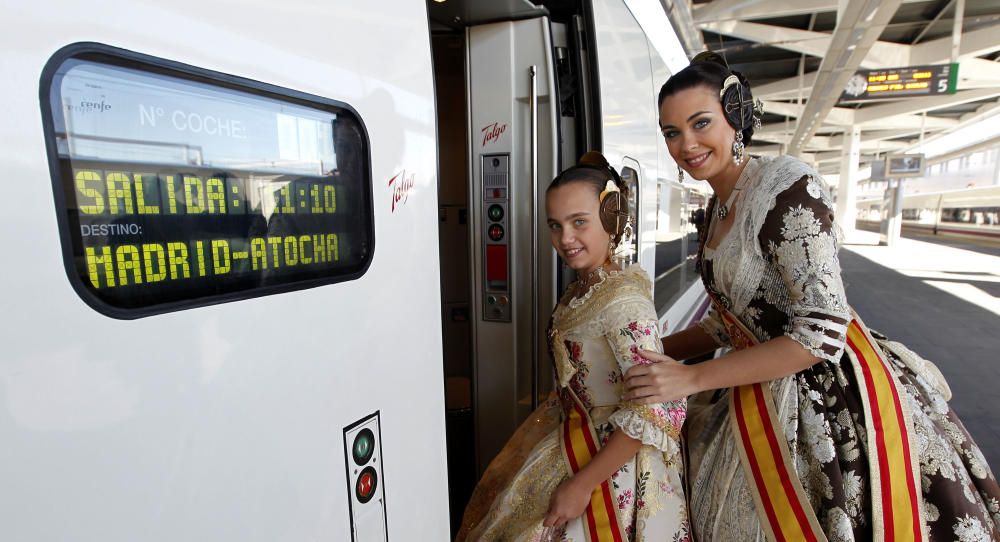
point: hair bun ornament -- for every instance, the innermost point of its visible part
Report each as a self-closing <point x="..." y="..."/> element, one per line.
<point x="609" y="187"/>
<point x="740" y="108"/>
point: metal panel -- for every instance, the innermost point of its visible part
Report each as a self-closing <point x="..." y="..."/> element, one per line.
<point x="506" y="354"/>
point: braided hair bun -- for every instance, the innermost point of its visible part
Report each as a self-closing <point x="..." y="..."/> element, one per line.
<point x="710" y="69"/>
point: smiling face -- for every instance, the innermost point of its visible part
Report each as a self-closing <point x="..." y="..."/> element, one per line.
<point x="696" y="132"/>
<point x="575" y="226"/>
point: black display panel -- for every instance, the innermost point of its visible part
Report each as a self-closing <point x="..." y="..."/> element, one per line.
<point x="176" y="187"/>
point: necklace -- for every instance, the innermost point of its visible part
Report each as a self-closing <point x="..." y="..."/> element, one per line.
<point x="723" y="210"/>
<point x="583" y="285"/>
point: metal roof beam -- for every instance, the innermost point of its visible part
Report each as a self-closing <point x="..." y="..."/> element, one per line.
<point x="839" y="116"/>
<point x="727" y="10"/>
<point x="858" y="28"/>
<point x="786" y="89"/>
<point x="975" y="43"/>
<point x="880" y="54"/>
<point x="910" y="121"/>
<point x="919" y="105"/>
<point x="973" y="72"/>
<point x="680" y="17"/>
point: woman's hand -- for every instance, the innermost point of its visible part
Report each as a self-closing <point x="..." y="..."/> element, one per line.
<point x="568" y="502"/>
<point x="664" y="380"/>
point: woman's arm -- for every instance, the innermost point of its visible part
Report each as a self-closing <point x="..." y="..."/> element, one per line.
<point x="691" y="342"/>
<point x="668" y="380"/>
<point x="571" y="498"/>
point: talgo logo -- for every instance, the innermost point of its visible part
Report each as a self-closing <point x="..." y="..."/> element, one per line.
<point x="493" y="132"/>
<point x="401" y="184"/>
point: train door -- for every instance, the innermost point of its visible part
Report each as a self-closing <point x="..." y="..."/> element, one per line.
<point x="512" y="157"/>
<point x="495" y="85"/>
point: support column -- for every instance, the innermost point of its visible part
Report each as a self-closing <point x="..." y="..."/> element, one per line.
<point x="847" y="190"/>
<point x="995" y="154"/>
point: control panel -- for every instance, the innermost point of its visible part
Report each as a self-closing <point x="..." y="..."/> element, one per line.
<point x="365" y="484"/>
<point x="496" y="237"/>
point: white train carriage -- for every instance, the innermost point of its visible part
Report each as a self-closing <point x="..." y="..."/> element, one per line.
<point x="246" y="243"/>
<point x="970" y="213"/>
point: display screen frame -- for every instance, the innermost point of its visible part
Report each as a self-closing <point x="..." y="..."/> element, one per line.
<point x="108" y="55"/>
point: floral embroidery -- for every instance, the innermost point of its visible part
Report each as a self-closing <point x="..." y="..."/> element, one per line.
<point x="970" y="529"/>
<point x="625" y="499"/>
<point x="780" y="276"/>
<point x="635" y="331"/>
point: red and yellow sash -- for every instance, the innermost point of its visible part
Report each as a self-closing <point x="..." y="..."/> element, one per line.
<point x="784" y="510"/>
<point x="896" y="502"/>
<point x="580" y="445"/>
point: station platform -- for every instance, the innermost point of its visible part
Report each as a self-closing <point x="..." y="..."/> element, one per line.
<point x="940" y="298"/>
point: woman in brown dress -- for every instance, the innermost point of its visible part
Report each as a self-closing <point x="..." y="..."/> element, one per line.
<point x="811" y="427"/>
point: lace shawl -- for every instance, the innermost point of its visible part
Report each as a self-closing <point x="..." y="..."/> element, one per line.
<point x="777" y="268"/>
<point x="620" y="309"/>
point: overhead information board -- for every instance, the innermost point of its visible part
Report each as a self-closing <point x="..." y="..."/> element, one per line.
<point x="176" y="192"/>
<point x="904" y="165"/>
<point x="906" y="82"/>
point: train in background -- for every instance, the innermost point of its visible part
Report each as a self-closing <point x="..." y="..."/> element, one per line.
<point x="970" y="213"/>
<point x="281" y="272"/>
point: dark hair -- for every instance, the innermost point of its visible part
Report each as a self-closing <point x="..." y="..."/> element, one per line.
<point x="710" y="70"/>
<point x="593" y="169"/>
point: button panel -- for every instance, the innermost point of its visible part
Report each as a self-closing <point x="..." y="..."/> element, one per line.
<point x="365" y="479"/>
<point x="496" y="237"/>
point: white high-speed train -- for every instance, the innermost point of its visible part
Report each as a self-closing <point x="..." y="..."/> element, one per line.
<point x="970" y="213"/>
<point x="260" y="254"/>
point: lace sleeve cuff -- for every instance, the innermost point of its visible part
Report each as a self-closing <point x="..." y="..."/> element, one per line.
<point x="822" y="337"/>
<point x="658" y="426"/>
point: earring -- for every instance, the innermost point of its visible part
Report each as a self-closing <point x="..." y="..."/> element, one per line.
<point x="680" y="174"/>
<point x="738" y="148"/>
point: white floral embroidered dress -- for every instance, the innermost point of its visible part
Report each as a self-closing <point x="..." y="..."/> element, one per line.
<point x="599" y="335"/>
<point x="777" y="271"/>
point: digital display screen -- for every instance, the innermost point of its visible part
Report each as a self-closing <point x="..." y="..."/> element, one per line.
<point x="901" y="82"/>
<point x="177" y="192"/>
<point x="905" y="165"/>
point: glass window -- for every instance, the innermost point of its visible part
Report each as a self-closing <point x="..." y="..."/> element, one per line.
<point x="176" y="187"/>
<point x="631" y="179"/>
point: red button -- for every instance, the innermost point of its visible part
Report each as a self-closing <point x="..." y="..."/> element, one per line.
<point x="495" y="232"/>
<point x="364" y="488"/>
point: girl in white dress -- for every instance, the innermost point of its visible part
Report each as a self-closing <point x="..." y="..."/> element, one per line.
<point x="608" y="469"/>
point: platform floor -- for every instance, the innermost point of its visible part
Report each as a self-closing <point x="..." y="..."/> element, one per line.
<point x="941" y="299"/>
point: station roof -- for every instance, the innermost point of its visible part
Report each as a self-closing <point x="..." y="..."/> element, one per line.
<point x="794" y="52"/>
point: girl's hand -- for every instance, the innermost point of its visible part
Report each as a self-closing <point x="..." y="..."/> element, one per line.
<point x="568" y="502"/>
<point x="662" y="381"/>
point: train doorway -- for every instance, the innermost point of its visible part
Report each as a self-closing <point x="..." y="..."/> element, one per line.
<point x="499" y="124"/>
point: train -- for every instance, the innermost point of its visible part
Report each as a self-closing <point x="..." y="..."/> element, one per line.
<point x="967" y="213"/>
<point x="279" y="270"/>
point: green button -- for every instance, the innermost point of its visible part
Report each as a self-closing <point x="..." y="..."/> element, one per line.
<point x="495" y="212"/>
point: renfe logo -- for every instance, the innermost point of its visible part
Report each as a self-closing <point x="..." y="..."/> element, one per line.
<point x="401" y="185"/>
<point x="492" y="132"/>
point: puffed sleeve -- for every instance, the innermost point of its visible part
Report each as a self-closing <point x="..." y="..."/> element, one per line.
<point x="632" y="325"/>
<point x="800" y="238"/>
<point x="712" y="324"/>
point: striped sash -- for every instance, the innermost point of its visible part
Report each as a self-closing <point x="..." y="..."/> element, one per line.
<point x="897" y="508"/>
<point x="579" y="445"/>
<point x="785" y="512"/>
